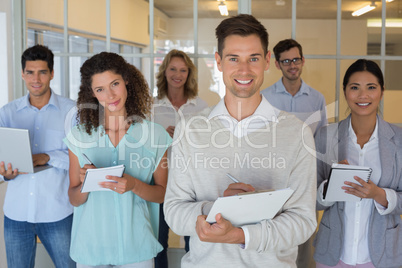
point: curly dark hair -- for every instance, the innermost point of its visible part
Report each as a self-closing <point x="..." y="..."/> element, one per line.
<point x="190" y="87"/>
<point x="138" y="103"/>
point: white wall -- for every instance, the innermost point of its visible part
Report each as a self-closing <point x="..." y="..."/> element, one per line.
<point x="6" y="76"/>
<point x="3" y="55"/>
<point x="6" y="94"/>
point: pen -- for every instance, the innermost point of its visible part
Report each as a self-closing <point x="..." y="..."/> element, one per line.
<point x="232" y="178"/>
<point x="86" y="158"/>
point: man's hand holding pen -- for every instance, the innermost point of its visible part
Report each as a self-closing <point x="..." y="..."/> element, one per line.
<point x="222" y="231"/>
<point x="237" y="187"/>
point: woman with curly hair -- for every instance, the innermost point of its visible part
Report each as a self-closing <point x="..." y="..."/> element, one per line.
<point x="177" y="97"/>
<point x="117" y="226"/>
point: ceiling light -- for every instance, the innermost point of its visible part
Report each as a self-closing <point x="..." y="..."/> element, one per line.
<point x="223" y="9"/>
<point x="364" y="10"/>
<point x="389" y="23"/>
<point x="389" y="1"/>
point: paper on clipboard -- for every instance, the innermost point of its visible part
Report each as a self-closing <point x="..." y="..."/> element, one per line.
<point x="94" y="176"/>
<point x="249" y="208"/>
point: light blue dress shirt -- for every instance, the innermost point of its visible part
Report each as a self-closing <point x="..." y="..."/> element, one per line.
<point x="111" y="228"/>
<point x="307" y="104"/>
<point x="43" y="196"/>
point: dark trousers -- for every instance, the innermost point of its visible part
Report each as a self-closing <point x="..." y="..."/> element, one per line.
<point x="161" y="260"/>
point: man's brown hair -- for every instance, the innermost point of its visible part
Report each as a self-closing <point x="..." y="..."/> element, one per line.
<point x="243" y="25"/>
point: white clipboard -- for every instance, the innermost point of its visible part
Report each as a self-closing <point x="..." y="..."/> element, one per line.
<point x="94" y="176"/>
<point x="249" y="208"/>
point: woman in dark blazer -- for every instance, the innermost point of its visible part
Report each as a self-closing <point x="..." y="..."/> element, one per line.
<point x="367" y="233"/>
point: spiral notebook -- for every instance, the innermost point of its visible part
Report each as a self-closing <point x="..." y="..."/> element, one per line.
<point x="337" y="177"/>
<point x="94" y="176"/>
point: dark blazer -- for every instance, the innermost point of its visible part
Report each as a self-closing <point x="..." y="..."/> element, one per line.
<point x="385" y="232"/>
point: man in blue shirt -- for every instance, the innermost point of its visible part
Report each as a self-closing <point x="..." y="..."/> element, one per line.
<point x="37" y="204"/>
<point x="290" y="93"/>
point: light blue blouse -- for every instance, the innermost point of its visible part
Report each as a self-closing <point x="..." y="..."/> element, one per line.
<point x="111" y="228"/>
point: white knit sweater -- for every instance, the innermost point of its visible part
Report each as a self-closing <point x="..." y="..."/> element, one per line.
<point x="279" y="156"/>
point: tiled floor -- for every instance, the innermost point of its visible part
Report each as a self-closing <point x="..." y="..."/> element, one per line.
<point x="174" y="257"/>
<point x="43" y="260"/>
<point x="175" y="250"/>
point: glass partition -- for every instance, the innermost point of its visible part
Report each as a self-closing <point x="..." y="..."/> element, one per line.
<point x="313" y="23"/>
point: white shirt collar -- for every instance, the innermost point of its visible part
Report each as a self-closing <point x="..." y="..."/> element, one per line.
<point x="353" y="136"/>
<point x="264" y="110"/>
<point x="165" y="100"/>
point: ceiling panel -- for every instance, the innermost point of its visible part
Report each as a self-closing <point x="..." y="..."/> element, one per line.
<point x="273" y="9"/>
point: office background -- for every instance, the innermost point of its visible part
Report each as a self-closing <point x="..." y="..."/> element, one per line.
<point x="144" y="31"/>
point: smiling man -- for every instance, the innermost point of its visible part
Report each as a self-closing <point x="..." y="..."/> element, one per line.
<point x="235" y="137"/>
<point x="37" y="205"/>
<point x="291" y="93"/>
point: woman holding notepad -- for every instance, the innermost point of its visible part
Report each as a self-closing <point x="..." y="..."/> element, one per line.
<point x="366" y="233"/>
<point x="118" y="225"/>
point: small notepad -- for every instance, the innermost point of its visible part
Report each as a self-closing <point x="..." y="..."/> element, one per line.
<point x="337" y="177"/>
<point x="94" y="176"/>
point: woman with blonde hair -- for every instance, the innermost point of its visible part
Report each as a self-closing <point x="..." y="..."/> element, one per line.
<point x="177" y="99"/>
<point x="177" y="90"/>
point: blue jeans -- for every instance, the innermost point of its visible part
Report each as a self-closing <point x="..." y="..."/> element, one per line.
<point x="20" y="238"/>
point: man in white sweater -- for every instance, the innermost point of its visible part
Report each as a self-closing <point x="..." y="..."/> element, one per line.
<point x="261" y="146"/>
